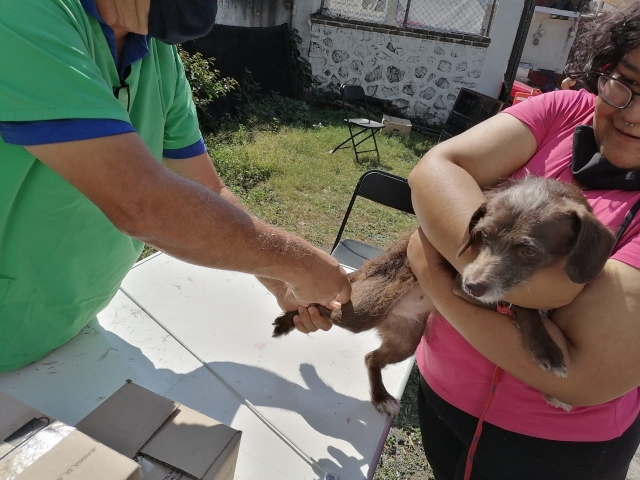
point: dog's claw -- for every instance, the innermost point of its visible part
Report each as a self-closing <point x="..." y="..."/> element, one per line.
<point x="557" y="403"/>
<point x="559" y="370"/>
<point x="389" y="406"/>
<point x="555" y="367"/>
<point x="552" y="360"/>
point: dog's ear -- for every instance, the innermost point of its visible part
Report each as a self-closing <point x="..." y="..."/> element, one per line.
<point x="471" y="235"/>
<point x="593" y="245"/>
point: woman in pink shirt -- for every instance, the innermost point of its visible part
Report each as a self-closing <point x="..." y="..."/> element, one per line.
<point x="597" y="326"/>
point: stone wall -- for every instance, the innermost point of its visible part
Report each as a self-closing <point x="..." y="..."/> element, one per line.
<point x="421" y="73"/>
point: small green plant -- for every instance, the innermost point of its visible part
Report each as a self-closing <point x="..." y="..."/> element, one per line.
<point x="241" y="170"/>
<point x="248" y="90"/>
<point x="322" y="95"/>
<point x="302" y="74"/>
<point x="207" y="84"/>
<point x="273" y="111"/>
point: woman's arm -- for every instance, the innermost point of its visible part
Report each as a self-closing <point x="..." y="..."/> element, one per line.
<point x="599" y="332"/>
<point x="446" y="190"/>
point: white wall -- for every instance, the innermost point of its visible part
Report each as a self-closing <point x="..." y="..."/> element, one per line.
<point x="419" y="75"/>
<point x="253" y="13"/>
<point x="301" y="21"/>
<point x="502" y="34"/>
<point x="554" y="45"/>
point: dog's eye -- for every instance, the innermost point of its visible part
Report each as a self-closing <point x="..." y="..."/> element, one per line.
<point x="528" y="252"/>
<point x="484" y="234"/>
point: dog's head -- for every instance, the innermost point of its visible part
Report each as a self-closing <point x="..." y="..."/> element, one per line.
<point x="528" y="225"/>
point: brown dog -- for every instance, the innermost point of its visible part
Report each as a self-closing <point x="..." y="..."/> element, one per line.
<point x="525" y="225"/>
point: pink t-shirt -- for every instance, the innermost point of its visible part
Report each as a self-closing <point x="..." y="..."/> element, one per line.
<point x="462" y="376"/>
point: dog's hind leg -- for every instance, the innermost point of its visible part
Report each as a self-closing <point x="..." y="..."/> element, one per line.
<point x="400" y="338"/>
<point x="537" y="340"/>
<point x="400" y="332"/>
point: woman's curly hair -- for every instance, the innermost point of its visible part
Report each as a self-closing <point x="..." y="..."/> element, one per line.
<point x="602" y="44"/>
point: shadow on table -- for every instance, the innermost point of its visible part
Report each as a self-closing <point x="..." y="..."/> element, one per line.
<point x="73" y="380"/>
<point x="315" y="395"/>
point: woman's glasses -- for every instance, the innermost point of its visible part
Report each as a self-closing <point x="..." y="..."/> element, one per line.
<point x="614" y="92"/>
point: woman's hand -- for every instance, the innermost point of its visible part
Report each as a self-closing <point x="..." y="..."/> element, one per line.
<point x="548" y="289"/>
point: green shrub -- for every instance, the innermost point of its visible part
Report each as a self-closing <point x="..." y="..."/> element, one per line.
<point x="268" y="111"/>
<point x="207" y="84"/>
<point x="302" y="74"/>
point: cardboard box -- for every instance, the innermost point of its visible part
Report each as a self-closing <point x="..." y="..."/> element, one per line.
<point x="35" y="446"/>
<point x="169" y="440"/>
<point x="396" y="126"/>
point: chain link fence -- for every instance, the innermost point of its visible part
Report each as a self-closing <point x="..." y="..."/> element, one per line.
<point x="455" y="16"/>
<point x="570" y="5"/>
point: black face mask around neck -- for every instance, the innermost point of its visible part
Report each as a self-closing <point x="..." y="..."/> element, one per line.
<point x="178" y="21"/>
<point x="595" y="172"/>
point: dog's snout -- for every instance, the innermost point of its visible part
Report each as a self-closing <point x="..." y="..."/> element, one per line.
<point x="476" y="289"/>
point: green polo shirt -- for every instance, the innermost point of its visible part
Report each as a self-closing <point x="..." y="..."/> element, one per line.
<point x="61" y="260"/>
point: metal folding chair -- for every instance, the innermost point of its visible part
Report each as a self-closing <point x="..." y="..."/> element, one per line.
<point x="380" y="187"/>
<point x="358" y="126"/>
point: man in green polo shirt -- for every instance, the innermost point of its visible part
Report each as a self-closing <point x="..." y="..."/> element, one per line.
<point x="100" y="151"/>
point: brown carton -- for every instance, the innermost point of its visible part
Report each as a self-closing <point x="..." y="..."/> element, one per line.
<point x="396" y="126"/>
<point x="170" y="440"/>
<point x="36" y="446"/>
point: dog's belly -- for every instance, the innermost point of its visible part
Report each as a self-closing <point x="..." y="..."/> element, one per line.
<point x="414" y="304"/>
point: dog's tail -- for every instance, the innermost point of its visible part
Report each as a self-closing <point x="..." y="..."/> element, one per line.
<point x="284" y="323"/>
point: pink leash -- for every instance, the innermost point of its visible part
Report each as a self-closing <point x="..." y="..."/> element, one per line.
<point x="506" y="310"/>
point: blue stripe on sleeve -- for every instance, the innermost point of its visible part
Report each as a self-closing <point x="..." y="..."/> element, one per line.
<point x="194" y="150"/>
<point x="57" y="131"/>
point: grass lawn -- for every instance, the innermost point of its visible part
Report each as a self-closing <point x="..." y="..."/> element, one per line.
<point x="287" y="177"/>
<point x="303" y="188"/>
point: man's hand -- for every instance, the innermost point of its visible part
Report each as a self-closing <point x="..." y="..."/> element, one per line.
<point x="308" y="319"/>
<point x="322" y="280"/>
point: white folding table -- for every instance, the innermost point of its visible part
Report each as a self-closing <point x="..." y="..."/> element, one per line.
<point x="202" y="337"/>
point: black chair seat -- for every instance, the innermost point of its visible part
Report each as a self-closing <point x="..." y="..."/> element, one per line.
<point x="364" y="123"/>
<point x="353" y="253"/>
<point x="380" y="187"/>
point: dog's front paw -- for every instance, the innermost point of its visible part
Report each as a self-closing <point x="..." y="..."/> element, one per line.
<point x="283" y="324"/>
<point x="551" y="360"/>
<point x="557" y="403"/>
<point x="388" y="405"/>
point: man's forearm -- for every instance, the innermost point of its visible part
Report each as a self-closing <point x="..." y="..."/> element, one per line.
<point x="200" y="169"/>
<point x="277" y="287"/>
<point x="222" y="231"/>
